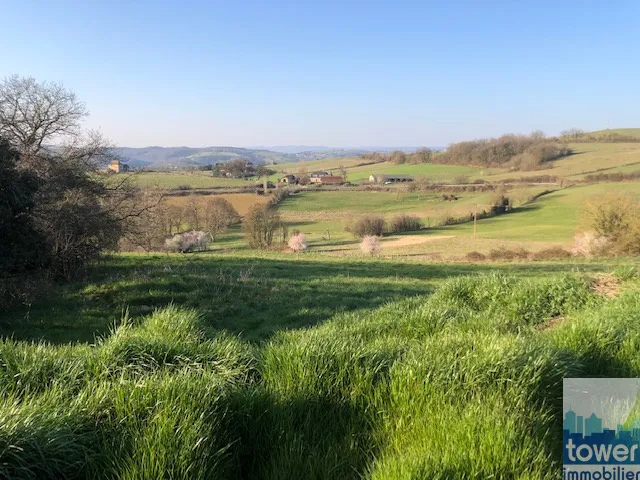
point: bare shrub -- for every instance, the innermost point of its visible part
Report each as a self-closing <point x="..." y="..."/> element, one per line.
<point x="297" y="242"/>
<point x="476" y="257"/>
<point x="508" y="255"/>
<point x="447" y="220"/>
<point x="261" y="225"/>
<point x="420" y="183"/>
<point x="187" y="242"/>
<point x="460" y="179"/>
<point x="589" y="244"/>
<point x="610" y="215"/>
<point x="279" y="195"/>
<point x="616" y="218"/>
<point x="552" y="253"/>
<point x="218" y="216"/>
<point x="500" y="204"/>
<point x="366" y="226"/>
<point x="405" y="223"/>
<point x="370" y="245"/>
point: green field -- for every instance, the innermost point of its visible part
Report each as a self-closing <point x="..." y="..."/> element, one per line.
<point x="175" y="180"/>
<point x="587" y="158"/>
<point x="279" y="366"/>
<point x="627" y="132"/>
<point x="437" y="173"/>
<point x="313" y="165"/>
<point x="551" y="220"/>
<point x="554" y="217"/>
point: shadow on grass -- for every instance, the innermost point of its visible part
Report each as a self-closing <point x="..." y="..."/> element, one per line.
<point x="248" y="296"/>
<point x="300" y="437"/>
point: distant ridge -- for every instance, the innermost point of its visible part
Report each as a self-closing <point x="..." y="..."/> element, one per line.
<point x="189" y="156"/>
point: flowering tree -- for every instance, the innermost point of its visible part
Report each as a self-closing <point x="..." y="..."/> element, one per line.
<point x="370" y="245"/>
<point x="298" y="242"/>
<point x="187" y="242"/>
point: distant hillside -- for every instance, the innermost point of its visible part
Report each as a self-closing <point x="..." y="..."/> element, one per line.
<point x="294" y="148"/>
<point x="187" y="156"/>
<point x="624" y="132"/>
<point x="330" y="152"/>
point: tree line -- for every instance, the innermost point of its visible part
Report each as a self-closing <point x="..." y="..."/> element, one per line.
<point x="518" y="152"/>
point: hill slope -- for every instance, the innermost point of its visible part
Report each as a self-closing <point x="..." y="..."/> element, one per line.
<point x="188" y="156"/>
<point x="625" y="132"/>
<point x="184" y="156"/>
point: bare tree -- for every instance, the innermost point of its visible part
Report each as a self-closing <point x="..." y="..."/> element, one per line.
<point x="192" y="213"/>
<point x="537" y="135"/>
<point x="398" y="157"/>
<point x="261" y="225"/>
<point x="33" y="114"/>
<point x="343" y="171"/>
<point x="572" y="133"/>
<point x="219" y="215"/>
<point x="424" y="154"/>
<point x="78" y="214"/>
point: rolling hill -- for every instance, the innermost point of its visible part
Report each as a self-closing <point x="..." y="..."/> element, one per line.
<point x="188" y="156"/>
<point x="626" y="132"/>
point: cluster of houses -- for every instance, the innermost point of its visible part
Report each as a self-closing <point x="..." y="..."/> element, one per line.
<point x="322" y="178"/>
<point x="326" y="178"/>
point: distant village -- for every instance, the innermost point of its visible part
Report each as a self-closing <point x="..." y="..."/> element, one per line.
<point x="243" y="168"/>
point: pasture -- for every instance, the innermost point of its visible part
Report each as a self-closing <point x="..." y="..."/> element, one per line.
<point x="587" y="158"/>
<point x="313" y="165"/>
<point x="433" y="172"/>
<point x="175" y="180"/>
<point x="550" y="221"/>
<point x="283" y="366"/>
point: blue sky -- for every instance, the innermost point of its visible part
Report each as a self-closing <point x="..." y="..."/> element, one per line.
<point x="333" y="73"/>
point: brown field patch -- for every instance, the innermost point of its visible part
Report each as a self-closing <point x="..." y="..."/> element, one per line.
<point x="606" y="285"/>
<point x="407" y="240"/>
<point x="242" y="202"/>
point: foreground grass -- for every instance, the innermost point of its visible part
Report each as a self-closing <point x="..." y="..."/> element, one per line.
<point x="245" y="293"/>
<point x="462" y="383"/>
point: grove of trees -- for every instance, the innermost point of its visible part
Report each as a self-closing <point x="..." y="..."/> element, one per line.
<point x="519" y="152"/>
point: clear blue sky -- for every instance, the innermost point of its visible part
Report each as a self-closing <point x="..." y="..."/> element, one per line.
<point x="339" y="73"/>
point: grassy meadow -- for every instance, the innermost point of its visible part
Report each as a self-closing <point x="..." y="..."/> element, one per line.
<point x="434" y="172"/>
<point x="587" y="158"/>
<point x="280" y="366"/>
<point x="175" y="180"/>
<point x="550" y="221"/>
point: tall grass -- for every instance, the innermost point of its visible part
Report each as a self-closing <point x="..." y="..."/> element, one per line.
<point x="463" y="383"/>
